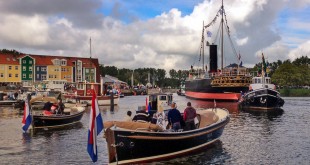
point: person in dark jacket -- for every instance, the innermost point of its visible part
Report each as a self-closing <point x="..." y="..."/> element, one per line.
<point x="174" y="117"/>
<point x="141" y="116"/>
<point x="189" y="117"/>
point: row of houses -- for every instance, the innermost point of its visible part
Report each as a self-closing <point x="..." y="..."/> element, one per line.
<point x="29" y="69"/>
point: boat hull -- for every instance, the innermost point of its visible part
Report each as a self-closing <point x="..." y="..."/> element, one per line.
<point x="141" y="147"/>
<point x="264" y="99"/>
<point x="54" y="121"/>
<point x="201" y="89"/>
<point x="102" y="100"/>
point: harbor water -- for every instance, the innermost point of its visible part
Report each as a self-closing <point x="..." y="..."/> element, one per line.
<point x="251" y="137"/>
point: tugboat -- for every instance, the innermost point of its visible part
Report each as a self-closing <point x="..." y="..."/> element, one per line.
<point x="262" y="94"/>
<point x="217" y="84"/>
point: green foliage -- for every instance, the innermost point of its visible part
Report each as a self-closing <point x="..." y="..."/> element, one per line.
<point x="295" y="92"/>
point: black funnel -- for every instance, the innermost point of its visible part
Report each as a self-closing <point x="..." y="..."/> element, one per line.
<point x="213" y="58"/>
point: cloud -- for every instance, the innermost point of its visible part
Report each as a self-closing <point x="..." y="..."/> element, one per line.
<point x="301" y="50"/>
<point x="166" y="37"/>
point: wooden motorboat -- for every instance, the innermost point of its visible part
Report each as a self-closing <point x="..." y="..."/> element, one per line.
<point x="135" y="142"/>
<point x="70" y="116"/>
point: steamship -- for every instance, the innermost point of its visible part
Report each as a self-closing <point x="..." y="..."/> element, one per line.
<point x="225" y="83"/>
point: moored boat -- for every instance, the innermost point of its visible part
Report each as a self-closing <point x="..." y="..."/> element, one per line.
<point x="83" y="94"/>
<point x="217" y="84"/>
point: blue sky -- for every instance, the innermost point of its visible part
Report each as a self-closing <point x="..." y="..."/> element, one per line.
<point x="154" y="33"/>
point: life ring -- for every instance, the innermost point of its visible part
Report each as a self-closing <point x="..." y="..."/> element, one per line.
<point x="263" y="101"/>
<point x="88" y="92"/>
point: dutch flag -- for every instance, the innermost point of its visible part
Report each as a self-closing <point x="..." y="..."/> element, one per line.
<point x="27" y="116"/>
<point x="95" y="127"/>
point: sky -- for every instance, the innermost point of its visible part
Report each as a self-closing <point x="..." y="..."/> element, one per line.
<point x="163" y="34"/>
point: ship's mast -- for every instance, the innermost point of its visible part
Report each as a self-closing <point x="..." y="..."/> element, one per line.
<point x="203" y="45"/>
<point x="222" y="34"/>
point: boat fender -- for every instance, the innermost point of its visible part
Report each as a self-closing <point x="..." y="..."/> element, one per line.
<point x="252" y="99"/>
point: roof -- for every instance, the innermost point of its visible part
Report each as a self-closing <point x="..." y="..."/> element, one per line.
<point x="111" y="79"/>
<point x="48" y="60"/>
<point x="9" y="59"/>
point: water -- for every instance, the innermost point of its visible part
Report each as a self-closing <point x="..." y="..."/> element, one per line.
<point x="250" y="137"/>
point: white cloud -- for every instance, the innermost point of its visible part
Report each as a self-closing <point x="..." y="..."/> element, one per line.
<point x="169" y="40"/>
<point x="301" y="50"/>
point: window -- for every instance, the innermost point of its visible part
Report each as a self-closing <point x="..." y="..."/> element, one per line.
<point x="38" y="76"/>
<point x="63" y="62"/>
<point x="43" y="76"/>
<point x="24" y="68"/>
<point x="24" y="61"/>
<point x="30" y="62"/>
<point x="10" y="75"/>
<point x="10" y="67"/>
<point x="38" y="68"/>
<point x="30" y="68"/>
<point x="30" y="75"/>
<point x="56" y="69"/>
<point x="1" y="75"/>
<point x="24" y="75"/>
<point x="1" y="67"/>
<point x="50" y="76"/>
<point x="16" y="67"/>
<point x="16" y="75"/>
<point x="63" y="69"/>
<point x="43" y="69"/>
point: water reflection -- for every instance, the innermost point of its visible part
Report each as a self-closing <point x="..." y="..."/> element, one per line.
<point x="270" y="114"/>
<point x="212" y="154"/>
<point x="60" y="131"/>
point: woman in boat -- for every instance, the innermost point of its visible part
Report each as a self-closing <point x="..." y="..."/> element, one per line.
<point x="161" y="118"/>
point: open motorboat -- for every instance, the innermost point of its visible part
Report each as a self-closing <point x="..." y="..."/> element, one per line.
<point x="139" y="142"/>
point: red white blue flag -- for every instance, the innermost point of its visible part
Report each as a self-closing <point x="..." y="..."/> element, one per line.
<point x="27" y="116"/>
<point x="95" y="127"/>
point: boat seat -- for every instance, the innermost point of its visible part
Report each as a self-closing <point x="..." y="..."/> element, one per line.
<point x="137" y="126"/>
<point x="206" y="118"/>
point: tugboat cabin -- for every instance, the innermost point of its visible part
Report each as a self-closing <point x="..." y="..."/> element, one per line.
<point x="261" y="82"/>
<point x="158" y="101"/>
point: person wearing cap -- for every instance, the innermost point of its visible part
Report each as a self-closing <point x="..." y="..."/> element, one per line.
<point x="174" y="117"/>
<point x="189" y="117"/>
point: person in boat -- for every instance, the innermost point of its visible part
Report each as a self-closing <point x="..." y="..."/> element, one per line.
<point x="47" y="106"/>
<point x="141" y="116"/>
<point x="174" y="117"/>
<point x="77" y="98"/>
<point x="60" y="107"/>
<point x="189" y="117"/>
<point x="161" y="118"/>
<point x="128" y="116"/>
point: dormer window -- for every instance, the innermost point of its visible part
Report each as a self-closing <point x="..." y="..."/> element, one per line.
<point x="56" y="62"/>
<point x="63" y="62"/>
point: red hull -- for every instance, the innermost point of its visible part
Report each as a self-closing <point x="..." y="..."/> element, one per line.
<point x="213" y="96"/>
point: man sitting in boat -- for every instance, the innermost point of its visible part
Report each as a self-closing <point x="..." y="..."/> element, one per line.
<point x="189" y="116"/>
<point x="174" y="117"/>
<point x="141" y="115"/>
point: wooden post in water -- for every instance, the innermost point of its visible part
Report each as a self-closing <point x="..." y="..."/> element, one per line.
<point x="112" y="101"/>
